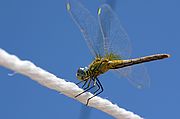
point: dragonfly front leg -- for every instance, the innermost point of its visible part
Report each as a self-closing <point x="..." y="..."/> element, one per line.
<point x="88" y="88"/>
<point x="84" y="83"/>
<point x="79" y="82"/>
<point x="88" y="84"/>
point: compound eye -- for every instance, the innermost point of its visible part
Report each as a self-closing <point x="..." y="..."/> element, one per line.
<point x="81" y="71"/>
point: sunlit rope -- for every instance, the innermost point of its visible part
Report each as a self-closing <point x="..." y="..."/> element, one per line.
<point x="69" y="89"/>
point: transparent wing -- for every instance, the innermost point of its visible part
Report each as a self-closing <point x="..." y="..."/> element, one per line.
<point x="115" y="37"/>
<point x="117" y="41"/>
<point x="88" y="25"/>
<point x="137" y="75"/>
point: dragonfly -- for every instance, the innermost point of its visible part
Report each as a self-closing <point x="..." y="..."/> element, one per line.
<point x="110" y="45"/>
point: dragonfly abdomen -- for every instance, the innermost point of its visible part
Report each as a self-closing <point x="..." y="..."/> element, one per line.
<point x="124" y="63"/>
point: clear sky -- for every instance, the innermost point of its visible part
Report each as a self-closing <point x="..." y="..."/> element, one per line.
<point x="43" y="32"/>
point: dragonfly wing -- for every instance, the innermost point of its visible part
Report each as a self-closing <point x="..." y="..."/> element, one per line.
<point x="115" y="37"/>
<point x="116" y="41"/>
<point x="137" y="75"/>
<point x="88" y="25"/>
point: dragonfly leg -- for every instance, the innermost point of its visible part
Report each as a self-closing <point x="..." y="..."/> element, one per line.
<point x="97" y="67"/>
<point x="85" y="91"/>
<point x="79" y="82"/>
<point x="84" y="83"/>
<point x="99" y="87"/>
<point x="88" y="84"/>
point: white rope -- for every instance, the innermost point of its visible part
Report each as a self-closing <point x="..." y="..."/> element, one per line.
<point x="69" y="89"/>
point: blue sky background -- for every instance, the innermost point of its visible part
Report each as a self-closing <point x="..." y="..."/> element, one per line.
<point x="43" y="32"/>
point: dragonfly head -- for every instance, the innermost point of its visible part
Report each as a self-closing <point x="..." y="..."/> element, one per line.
<point x="82" y="73"/>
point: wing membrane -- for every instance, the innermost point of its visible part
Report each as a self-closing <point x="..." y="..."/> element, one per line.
<point x="115" y="37"/>
<point x="106" y="35"/>
<point x="88" y="25"/>
<point x="137" y="75"/>
<point x="117" y="41"/>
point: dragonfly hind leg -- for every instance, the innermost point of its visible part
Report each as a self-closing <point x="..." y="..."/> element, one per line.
<point x="98" y="83"/>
